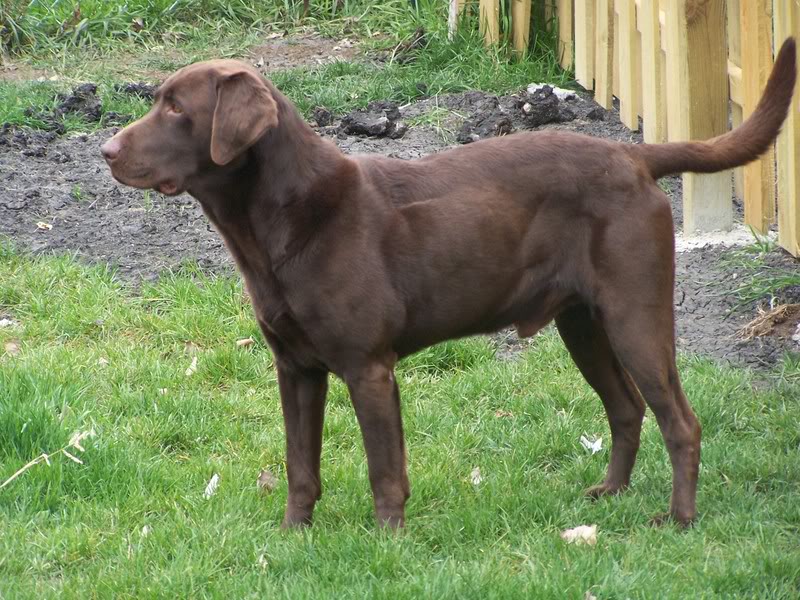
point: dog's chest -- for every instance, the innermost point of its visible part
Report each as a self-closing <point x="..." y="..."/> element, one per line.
<point x="280" y="326"/>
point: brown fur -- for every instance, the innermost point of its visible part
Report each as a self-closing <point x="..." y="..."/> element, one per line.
<point x="352" y="263"/>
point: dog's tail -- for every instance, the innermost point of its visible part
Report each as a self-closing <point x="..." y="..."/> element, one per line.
<point x="740" y="146"/>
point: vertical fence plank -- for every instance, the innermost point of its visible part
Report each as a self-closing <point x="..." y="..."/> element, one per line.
<point x="677" y="70"/>
<point x="521" y="25"/>
<point x="565" y="33"/>
<point x="455" y="12"/>
<point x="697" y="101"/>
<point x="663" y="29"/>
<point x="604" y="54"/>
<point x="653" y="109"/>
<point x="584" y="43"/>
<point x="734" y="62"/>
<point x="637" y="63"/>
<point x="629" y="77"/>
<point x="759" y="177"/>
<point x="787" y="22"/>
<point x="490" y="21"/>
<point x="615" y="54"/>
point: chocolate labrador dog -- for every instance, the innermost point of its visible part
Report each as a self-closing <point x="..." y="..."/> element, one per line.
<point x="355" y="262"/>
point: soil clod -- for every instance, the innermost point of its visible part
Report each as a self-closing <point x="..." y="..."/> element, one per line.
<point x="493" y="117"/>
<point x="322" y="116"/>
<point x="379" y="119"/>
<point x="142" y="90"/>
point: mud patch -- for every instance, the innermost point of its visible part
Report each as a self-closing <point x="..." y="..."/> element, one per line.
<point x="68" y="186"/>
<point x="495" y="117"/>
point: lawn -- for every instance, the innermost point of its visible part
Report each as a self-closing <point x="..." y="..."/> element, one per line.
<point x="151" y="378"/>
<point x="94" y="354"/>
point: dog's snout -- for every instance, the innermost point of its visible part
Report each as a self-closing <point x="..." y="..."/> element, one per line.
<point x="111" y="149"/>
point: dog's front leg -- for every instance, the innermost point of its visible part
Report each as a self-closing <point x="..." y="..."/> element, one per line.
<point x="376" y="399"/>
<point x="303" y="401"/>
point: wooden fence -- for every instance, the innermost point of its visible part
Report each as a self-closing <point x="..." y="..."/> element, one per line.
<point x="689" y="69"/>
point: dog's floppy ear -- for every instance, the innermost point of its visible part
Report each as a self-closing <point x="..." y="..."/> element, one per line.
<point x="245" y="110"/>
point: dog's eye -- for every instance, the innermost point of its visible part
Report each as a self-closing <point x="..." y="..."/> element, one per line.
<point x="174" y="108"/>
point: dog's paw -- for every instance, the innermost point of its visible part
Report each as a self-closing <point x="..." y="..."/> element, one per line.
<point x="667" y="518"/>
<point x="604" y="489"/>
<point x="391" y="522"/>
<point x="296" y="522"/>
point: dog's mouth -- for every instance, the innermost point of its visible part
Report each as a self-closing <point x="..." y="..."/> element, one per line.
<point x="143" y="180"/>
<point x="135" y="180"/>
<point x="168" y="188"/>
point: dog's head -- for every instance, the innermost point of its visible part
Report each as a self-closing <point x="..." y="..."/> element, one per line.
<point x="204" y="115"/>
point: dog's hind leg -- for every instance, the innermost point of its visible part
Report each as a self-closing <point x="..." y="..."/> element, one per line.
<point x="636" y="308"/>
<point x="645" y="350"/>
<point x="588" y="344"/>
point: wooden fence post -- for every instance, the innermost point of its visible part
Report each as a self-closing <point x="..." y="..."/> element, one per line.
<point x="521" y="25"/>
<point x="787" y="22"/>
<point x="565" y="33"/>
<point x="584" y="43"/>
<point x="697" y="101"/>
<point x="490" y="21"/>
<point x="654" y="113"/>
<point x="629" y="74"/>
<point x="604" y="54"/>
<point x="756" y="50"/>
<point x="548" y="11"/>
<point x="455" y="13"/>
<point x="734" y="70"/>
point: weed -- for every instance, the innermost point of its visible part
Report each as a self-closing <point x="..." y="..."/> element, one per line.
<point x="759" y="279"/>
<point x="439" y="119"/>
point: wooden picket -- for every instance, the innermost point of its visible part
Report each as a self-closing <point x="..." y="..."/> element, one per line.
<point x="654" y="113"/>
<point x="786" y="15"/>
<point x="604" y="53"/>
<point x="755" y="19"/>
<point x="521" y="23"/>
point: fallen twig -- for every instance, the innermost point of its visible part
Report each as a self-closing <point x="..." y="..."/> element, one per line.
<point x="74" y="442"/>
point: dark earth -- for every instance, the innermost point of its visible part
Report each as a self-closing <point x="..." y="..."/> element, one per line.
<point x="51" y="179"/>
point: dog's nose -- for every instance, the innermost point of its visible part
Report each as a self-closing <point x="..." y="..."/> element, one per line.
<point x="111" y="149"/>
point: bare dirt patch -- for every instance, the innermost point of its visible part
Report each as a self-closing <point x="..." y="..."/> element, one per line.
<point x="279" y="52"/>
<point x="11" y="70"/>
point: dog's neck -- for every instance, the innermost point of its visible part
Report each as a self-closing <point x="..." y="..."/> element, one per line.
<point x="290" y="178"/>
<point x="286" y="163"/>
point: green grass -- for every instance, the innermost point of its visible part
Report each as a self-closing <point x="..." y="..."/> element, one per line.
<point x="76" y="531"/>
<point x="40" y="25"/>
<point x="47" y="26"/>
<point x="442" y="68"/>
